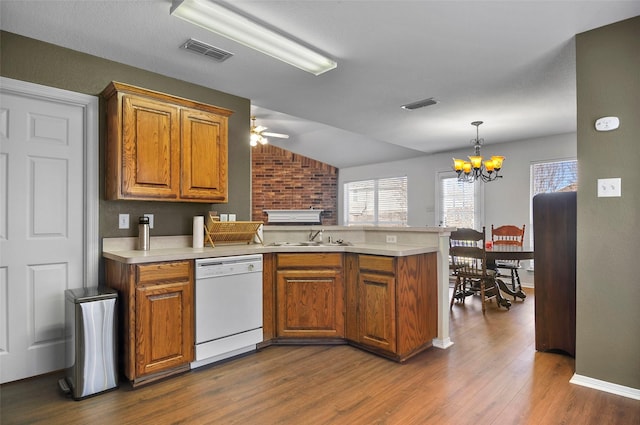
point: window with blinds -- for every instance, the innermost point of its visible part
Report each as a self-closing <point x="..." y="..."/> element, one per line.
<point x="552" y="176"/>
<point x="555" y="176"/>
<point x="459" y="206"/>
<point x="376" y="202"/>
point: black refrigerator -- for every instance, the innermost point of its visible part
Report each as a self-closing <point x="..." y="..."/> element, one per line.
<point x="554" y="239"/>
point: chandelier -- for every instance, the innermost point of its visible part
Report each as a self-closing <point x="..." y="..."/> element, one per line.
<point x="475" y="168"/>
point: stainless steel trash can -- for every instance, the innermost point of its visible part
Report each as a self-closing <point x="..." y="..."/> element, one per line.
<point x="90" y="351"/>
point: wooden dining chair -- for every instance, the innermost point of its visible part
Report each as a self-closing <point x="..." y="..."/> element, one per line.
<point x="505" y="237"/>
<point x="468" y="258"/>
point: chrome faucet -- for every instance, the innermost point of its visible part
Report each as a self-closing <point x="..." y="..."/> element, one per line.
<point x="313" y="236"/>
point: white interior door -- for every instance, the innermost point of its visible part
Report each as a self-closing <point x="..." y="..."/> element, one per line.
<point x="42" y="225"/>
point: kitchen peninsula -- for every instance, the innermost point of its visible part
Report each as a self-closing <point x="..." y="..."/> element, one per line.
<point x="383" y="289"/>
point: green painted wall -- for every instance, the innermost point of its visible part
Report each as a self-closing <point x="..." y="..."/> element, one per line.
<point x="608" y="286"/>
<point x="37" y="62"/>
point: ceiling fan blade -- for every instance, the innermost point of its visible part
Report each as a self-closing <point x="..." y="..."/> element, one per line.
<point x="279" y="135"/>
<point x="259" y="129"/>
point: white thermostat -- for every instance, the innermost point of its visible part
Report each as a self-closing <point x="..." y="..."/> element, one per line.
<point x="607" y="123"/>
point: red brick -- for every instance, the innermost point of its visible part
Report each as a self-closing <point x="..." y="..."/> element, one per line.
<point x="285" y="180"/>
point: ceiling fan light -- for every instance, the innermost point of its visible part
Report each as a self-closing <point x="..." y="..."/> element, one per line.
<point x="227" y="23"/>
<point x="263" y="140"/>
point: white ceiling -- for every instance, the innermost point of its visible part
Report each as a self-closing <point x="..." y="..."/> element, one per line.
<point x="510" y="64"/>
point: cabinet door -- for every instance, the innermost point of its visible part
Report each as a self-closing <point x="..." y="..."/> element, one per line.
<point x="164" y="326"/>
<point x="310" y="303"/>
<point x="554" y="234"/>
<point x="204" y="156"/>
<point x="150" y="149"/>
<point x="377" y="311"/>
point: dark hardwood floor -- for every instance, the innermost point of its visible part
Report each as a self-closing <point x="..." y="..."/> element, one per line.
<point x="492" y="375"/>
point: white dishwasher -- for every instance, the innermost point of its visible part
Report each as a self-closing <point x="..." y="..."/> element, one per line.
<point x="228" y="307"/>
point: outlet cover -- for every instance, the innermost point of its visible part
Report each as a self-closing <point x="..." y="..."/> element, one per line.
<point x="609" y="187"/>
<point x="123" y="221"/>
<point x="150" y="217"/>
<point x="392" y="239"/>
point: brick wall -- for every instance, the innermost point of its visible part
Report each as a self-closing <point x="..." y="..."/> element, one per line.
<point x="283" y="180"/>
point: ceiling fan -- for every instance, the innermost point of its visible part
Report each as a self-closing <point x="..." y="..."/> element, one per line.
<point x="258" y="134"/>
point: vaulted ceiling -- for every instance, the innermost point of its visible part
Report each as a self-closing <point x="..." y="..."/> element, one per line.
<point x="510" y="64"/>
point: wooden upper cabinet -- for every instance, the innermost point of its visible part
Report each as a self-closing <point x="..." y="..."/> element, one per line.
<point x="150" y="148"/>
<point x="204" y="156"/>
<point x="165" y="148"/>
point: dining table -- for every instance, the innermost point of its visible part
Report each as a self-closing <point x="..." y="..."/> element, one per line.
<point x="508" y="252"/>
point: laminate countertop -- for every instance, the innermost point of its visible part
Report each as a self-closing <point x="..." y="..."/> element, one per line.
<point x="161" y="251"/>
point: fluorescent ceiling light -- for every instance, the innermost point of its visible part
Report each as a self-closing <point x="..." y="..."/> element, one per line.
<point x="216" y="18"/>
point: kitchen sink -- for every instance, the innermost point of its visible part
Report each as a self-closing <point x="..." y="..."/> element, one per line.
<point x="285" y="244"/>
<point x="310" y="243"/>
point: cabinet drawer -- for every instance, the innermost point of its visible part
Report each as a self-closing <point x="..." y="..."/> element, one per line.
<point x="377" y="263"/>
<point x="310" y="260"/>
<point x="156" y="273"/>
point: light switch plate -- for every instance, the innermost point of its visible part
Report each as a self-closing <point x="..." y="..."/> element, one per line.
<point x="123" y="221"/>
<point x="609" y="187"/>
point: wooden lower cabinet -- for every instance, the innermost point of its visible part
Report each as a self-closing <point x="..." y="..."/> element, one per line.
<point x="392" y="303"/>
<point x="156" y="317"/>
<point x="377" y="311"/>
<point x="310" y="296"/>
<point x="386" y="305"/>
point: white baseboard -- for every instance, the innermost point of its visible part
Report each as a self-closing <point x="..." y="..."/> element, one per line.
<point x="605" y="386"/>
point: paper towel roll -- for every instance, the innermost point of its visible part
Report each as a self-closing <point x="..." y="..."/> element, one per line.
<point x="198" y="231"/>
<point x="258" y="238"/>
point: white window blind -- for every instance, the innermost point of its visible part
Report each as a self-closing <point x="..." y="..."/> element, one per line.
<point x="376" y="202"/>
<point x="556" y="176"/>
<point x="458" y="203"/>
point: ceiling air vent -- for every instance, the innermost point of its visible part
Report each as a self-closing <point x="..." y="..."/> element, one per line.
<point x="205" y="49"/>
<point x="419" y="104"/>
